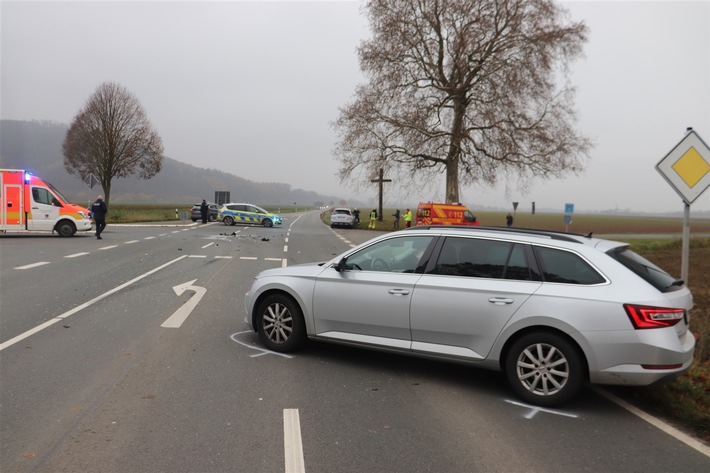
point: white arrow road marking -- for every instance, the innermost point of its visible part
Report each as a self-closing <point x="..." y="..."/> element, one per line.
<point x="179" y="316"/>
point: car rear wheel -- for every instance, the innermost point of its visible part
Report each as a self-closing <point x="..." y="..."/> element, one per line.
<point x="228" y="220"/>
<point x="280" y="324"/>
<point x="213" y="217"/>
<point x="544" y="369"/>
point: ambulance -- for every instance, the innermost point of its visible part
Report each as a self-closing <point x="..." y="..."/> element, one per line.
<point x="433" y="213"/>
<point x="27" y="204"/>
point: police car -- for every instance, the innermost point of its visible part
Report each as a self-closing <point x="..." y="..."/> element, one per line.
<point x="233" y="213"/>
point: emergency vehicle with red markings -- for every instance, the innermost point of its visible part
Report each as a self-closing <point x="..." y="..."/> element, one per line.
<point x="434" y="213"/>
<point x="28" y="204"/>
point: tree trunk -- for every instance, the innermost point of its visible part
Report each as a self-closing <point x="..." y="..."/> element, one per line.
<point x="454" y="155"/>
<point x="452" y="178"/>
<point x="107" y="191"/>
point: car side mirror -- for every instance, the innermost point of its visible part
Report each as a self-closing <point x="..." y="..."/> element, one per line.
<point x="341" y="265"/>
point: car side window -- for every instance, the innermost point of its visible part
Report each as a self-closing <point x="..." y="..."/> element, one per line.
<point x="479" y="258"/>
<point x="566" y="267"/>
<point x="398" y="255"/>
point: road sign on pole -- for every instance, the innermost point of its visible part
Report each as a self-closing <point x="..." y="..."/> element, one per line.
<point x="687" y="169"/>
<point x="567" y="219"/>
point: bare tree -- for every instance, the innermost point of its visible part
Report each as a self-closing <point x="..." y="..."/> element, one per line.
<point x="111" y="137"/>
<point x="472" y="88"/>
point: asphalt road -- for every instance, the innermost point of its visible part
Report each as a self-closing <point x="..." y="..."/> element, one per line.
<point x="102" y="371"/>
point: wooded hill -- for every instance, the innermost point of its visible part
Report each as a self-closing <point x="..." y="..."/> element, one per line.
<point x="37" y="147"/>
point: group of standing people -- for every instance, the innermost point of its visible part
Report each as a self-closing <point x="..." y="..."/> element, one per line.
<point x="396" y="215"/>
<point x="407" y="219"/>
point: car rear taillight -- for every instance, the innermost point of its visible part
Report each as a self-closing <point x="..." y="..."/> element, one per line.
<point x="653" y="317"/>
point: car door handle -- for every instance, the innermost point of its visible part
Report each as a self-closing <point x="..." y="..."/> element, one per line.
<point x="399" y="292"/>
<point x="500" y="300"/>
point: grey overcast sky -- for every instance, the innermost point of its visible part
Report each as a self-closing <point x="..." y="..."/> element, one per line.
<point x="251" y="88"/>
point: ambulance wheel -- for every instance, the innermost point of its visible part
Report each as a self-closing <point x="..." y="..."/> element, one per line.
<point x="66" y="229"/>
<point x="228" y="221"/>
<point x="267" y="222"/>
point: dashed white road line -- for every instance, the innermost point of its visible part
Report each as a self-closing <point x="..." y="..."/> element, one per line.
<point x="108" y="247"/>
<point x="130" y="242"/>
<point x="77" y="254"/>
<point x="293" y="444"/>
<point x="33" y="265"/>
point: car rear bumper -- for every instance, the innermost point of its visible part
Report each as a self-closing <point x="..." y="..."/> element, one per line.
<point x="651" y="356"/>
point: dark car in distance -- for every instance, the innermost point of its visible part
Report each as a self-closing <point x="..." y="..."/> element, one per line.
<point x="212" y="213"/>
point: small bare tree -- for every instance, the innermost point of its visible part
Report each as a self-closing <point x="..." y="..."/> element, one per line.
<point x="472" y="88"/>
<point x="111" y="137"/>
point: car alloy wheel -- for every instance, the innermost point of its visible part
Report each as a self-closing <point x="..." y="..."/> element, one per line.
<point x="544" y="369"/>
<point x="280" y="323"/>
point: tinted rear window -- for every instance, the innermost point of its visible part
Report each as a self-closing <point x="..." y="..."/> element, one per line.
<point x="648" y="271"/>
<point x="478" y="258"/>
<point x="566" y="267"/>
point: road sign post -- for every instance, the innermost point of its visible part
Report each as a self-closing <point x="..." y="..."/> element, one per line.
<point x="567" y="219"/>
<point x="687" y="169"/>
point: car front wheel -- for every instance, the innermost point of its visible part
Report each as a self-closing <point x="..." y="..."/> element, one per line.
<point x="280" y="324"/>
<point x="228" y="220"/>
<point x="267" y="222"/>
<point x="544" y="369"/>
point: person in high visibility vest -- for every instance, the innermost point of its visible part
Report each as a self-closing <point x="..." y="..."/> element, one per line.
<point x="373" y="219"/>
<point x="408" y="218"/>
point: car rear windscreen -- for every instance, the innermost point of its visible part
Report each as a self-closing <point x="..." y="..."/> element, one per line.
<point x="648" y="271"/>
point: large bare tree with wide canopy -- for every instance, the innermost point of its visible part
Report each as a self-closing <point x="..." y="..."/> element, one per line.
<point x="475" y="89"/>
<point x="112" y="137"/>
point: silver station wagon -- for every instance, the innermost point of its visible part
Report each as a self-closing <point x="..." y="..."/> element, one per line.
<point x="551" y="310"/>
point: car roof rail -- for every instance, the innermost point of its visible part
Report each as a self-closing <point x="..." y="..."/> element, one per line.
<point x="554" y="235"/>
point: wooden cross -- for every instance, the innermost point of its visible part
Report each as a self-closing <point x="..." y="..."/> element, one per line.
<point x="381" y="180"/>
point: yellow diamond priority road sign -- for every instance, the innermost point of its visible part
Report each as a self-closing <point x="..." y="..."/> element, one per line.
<point x="687" y="167"/>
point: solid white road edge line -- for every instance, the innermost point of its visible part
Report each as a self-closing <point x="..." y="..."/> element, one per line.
<point x="76" y="309"/>
<point x="659" y="424"/>
<point x="293" y="445"/>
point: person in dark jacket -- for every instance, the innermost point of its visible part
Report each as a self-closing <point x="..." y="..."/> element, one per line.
<point x="509" y="220"/>
<point x="204" y="211"/>
<point x="98" y="213"/>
